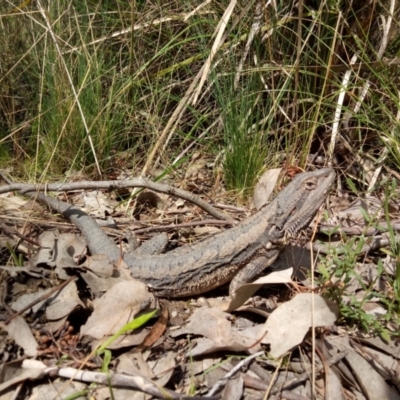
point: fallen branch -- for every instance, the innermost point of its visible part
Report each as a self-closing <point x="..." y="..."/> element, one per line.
<point x="112" y="185"/>
<point x="119" y="380"/>
<point x="218" y="385"/>
<point x="289" y="385"/>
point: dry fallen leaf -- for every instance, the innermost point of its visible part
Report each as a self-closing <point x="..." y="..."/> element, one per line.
<point x="103" y="393"/>
<point x="100" y="285"/>
<point x="333" y="385"/>
<point x="233" y="389"/>
<point x="219" y="333"/>
<point x="63" y="303"/>
<point x="289" y="323"/>
<point x="163" y="368"/>
<point x="115" y="308"/>
<point x="20" y="331"/>
<point x="155" y="332"/>
<point x="264" y="187"/>
<point x="58" y="305"/>
<point x="100" y="265"/>
<point x="14" y="372"/>
<point x="246" y="291"/>
<point x="60" y="251"/>
<point x="133" y="364"/>
<point x="384" y="363"/>
<point x="392" y="347"/>
<point x="96" y="204"/>
<point x="370" y="381"/>
<point x="56" y="388"/>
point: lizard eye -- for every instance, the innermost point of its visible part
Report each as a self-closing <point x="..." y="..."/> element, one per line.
<point x="310" y="185"/>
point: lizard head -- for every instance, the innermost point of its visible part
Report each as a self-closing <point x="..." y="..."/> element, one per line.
<point x="302" y="198"/>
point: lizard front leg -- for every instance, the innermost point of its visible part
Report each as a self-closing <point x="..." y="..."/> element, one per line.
<point x="252" y="269"/>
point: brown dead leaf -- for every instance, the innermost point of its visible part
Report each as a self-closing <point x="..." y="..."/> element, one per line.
<point x="264" y="187"/>
<point x="155" y="332"/>
<point x="115" y="308"/>
<point x="60" y="251"/>
<point x="233" y="389"/>
<point x="288" y="324"/>
<point x="163" y="368"/>
<point x="46" y="252"/>
<point x="14" y="372"/>
<point x="371" y="382"/>
<point x="10" y="204"/>
<point x="100" y="285"/>
<point x="134" y="364"/>
<point x="333" y="385"/>
<point x="392" y="347"/>
<point x="96" y="204"/>
<point x="21" y="333"/>
<point x="384" y="363"/>
<point x="53" y="390"/>
<point x="64" y="302"/>
<point x="246" y="291"/>
<point x="58" y="305"/>
<point x="218" y="332"/>
<point x="100" y="265"/>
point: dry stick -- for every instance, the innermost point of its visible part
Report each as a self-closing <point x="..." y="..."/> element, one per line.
<point x="306" y="375"/>
<point x="273" y="379"/>
<point x="12" y="231"/>
<point x="111" y="185"/>
<point x="386" y="31"/>
<point x="144" y="25"/>
<point x="172" y="123"/>
<point x="339" y="109"/>
<point x="118" y="380"/>
<point x="196" y="10"/>
<point x="367" y="84"/>
<point x="44" y="297"/>
<point x="232" y="372"/>
<point x="147" y="386"/>
<point x="326" y="83"/>
<point x="17" y="391"/>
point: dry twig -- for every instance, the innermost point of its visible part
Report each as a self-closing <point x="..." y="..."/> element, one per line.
<point x="111" y="185"/>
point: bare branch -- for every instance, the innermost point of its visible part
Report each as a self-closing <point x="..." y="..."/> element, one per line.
<point x="112" y="185"/>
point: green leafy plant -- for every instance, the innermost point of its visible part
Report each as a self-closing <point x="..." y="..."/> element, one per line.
<point x="340" y="264"/>
<point x="17" y="258"/>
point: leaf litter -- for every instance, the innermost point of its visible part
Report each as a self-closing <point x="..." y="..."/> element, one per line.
<point x="211" y="337"/>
